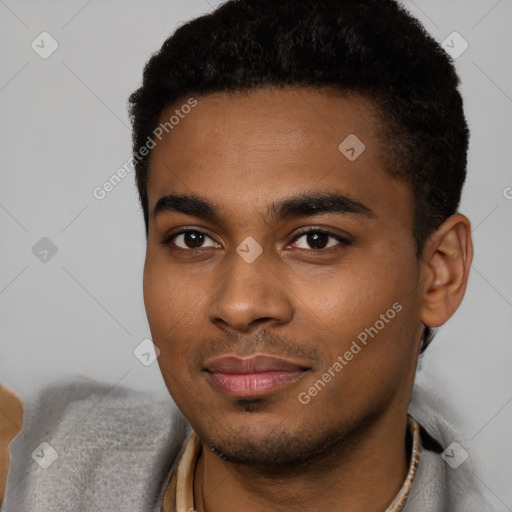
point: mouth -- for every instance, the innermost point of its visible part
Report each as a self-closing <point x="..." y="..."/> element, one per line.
<point x="253" y="376"/>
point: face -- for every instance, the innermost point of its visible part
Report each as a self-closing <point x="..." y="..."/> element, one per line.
<point x="281" y="279"/>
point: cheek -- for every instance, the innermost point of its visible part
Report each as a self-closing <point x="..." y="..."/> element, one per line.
<point x="368" y="360"/>
<point x="165" y="290"/>
<point x="372" y="303"/>
<point x="167" y="306"/>
<point x="157" y="298"/>
<point x="175" y="311"/>
<point x="353" y="296"/>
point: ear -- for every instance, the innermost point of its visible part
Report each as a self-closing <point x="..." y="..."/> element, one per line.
<point x="446" y="261"/>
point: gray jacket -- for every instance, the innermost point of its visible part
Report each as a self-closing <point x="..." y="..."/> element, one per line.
<point x="89" y="446"/>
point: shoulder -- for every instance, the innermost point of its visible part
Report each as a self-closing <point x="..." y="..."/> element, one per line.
<point x="446" y="477"/>
<point x="82" y="438"/>
<point x="11" y="415"/>
<point x="80" y="402"/>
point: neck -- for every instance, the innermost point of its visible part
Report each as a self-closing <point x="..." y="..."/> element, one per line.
<point x="376" y="462"/>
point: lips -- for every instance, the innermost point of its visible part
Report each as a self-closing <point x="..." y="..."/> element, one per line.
<point x="253" y="376"/>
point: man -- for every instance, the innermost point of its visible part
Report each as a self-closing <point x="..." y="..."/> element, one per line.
<point x="300" y="165"/>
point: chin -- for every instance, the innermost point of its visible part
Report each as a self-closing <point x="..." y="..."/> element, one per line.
<point x="284" y="443"/>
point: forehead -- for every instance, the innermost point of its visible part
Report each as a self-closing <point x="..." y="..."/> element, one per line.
<point x="252" y="148"/>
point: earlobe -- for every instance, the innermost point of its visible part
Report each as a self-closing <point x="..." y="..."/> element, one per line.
<point x="446" y="263"/>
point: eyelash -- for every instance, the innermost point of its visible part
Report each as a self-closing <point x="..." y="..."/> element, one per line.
<point x="343" y="241"/>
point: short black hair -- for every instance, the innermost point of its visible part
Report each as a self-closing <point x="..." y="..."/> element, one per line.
<point x="373" y="48"/>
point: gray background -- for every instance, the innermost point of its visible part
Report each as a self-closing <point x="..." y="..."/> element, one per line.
<point x="65" y="131"/>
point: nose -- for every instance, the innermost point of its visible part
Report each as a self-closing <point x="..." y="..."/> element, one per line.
<point x="251" y="294"/>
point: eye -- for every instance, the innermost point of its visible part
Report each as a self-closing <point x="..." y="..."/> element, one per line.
<point x="318" y="239"/>
<point x="315" y="239"/>
<point x="189" y="239"/>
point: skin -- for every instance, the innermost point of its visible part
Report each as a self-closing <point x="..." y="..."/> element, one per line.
<point x="241" y="153"/>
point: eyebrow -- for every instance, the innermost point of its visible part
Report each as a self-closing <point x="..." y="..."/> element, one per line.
<point x="296" y="206"/>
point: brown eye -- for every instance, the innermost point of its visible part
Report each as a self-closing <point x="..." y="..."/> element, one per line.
<point x="189" y="240"/>
<point x="318" y="239"/>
